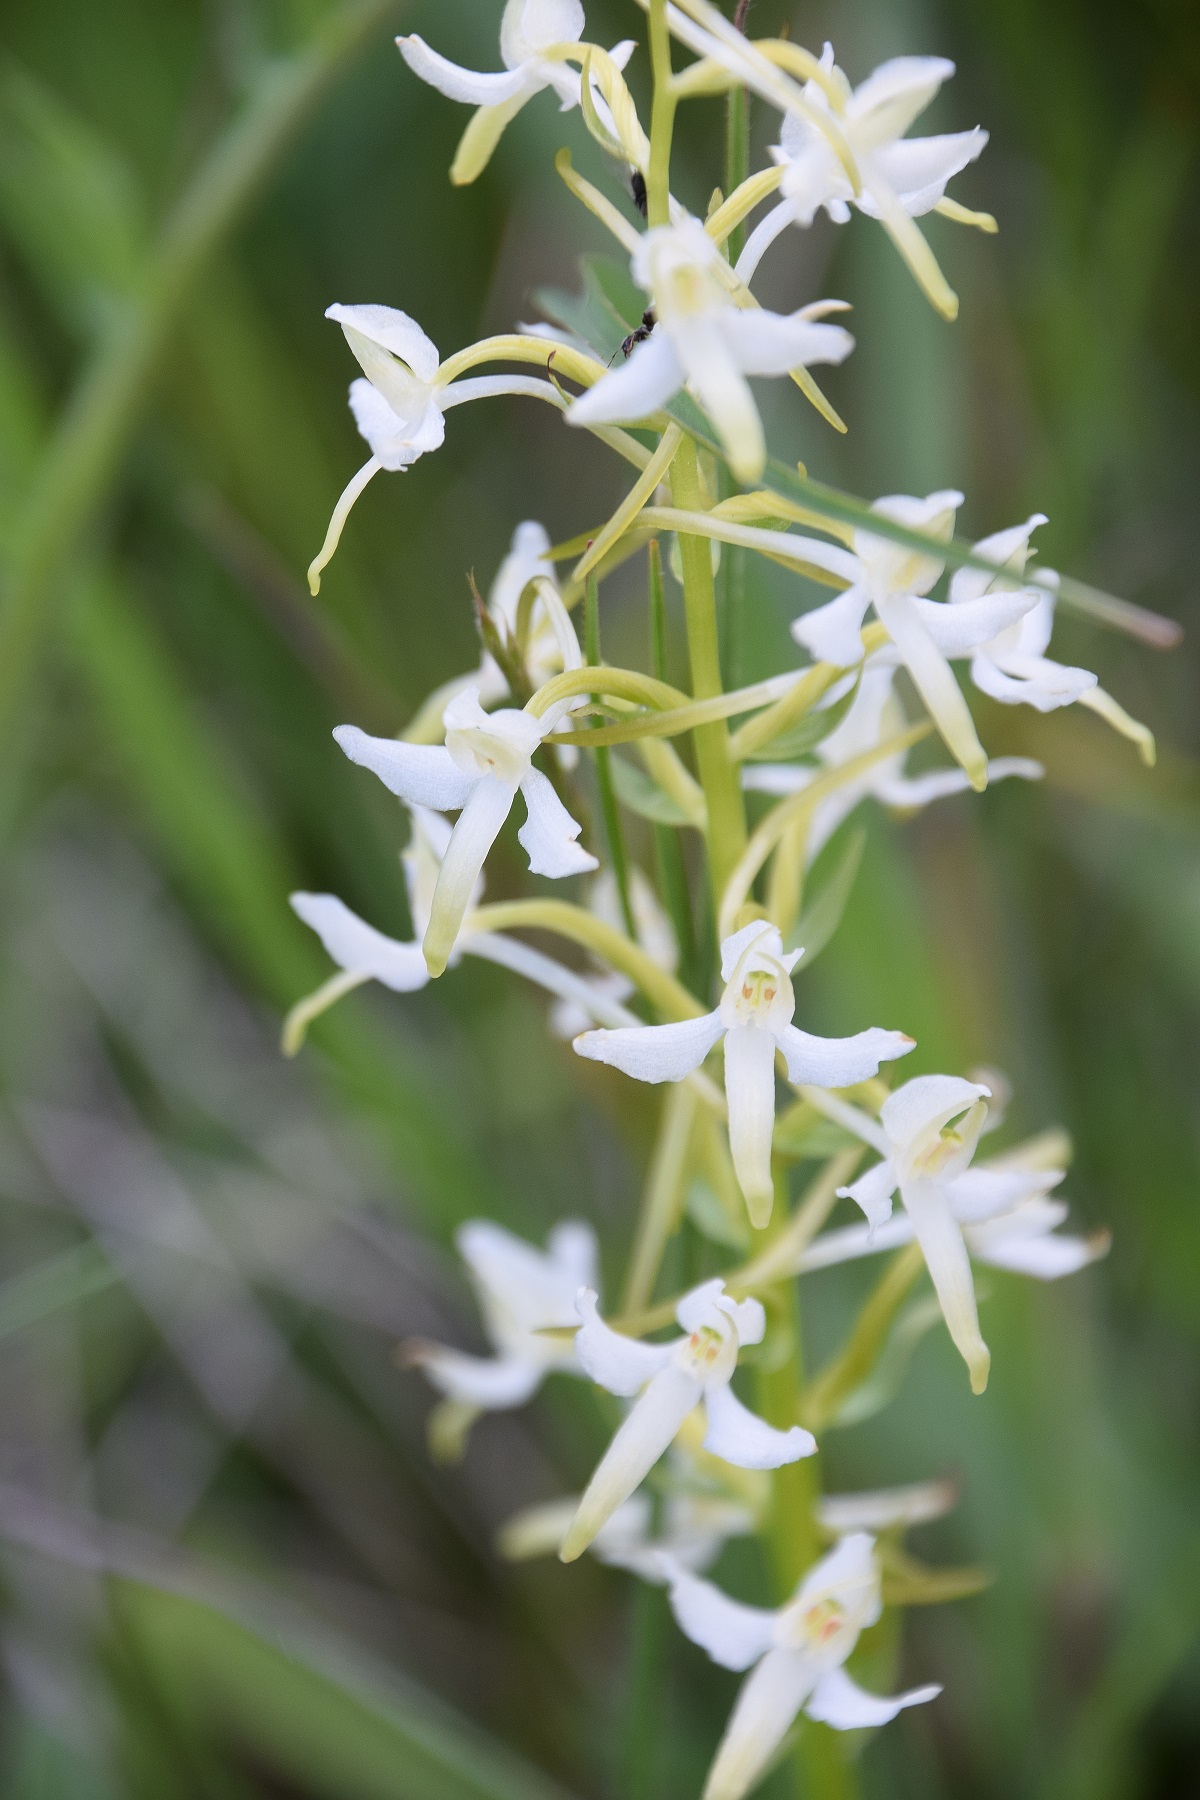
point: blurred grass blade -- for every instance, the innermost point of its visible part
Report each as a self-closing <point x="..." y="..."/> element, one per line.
<point x="53" y="1286"/>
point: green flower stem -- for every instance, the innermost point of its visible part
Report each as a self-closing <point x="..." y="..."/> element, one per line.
<point x="98" y="421"/>
<point x="854" y="1363"/>
<point x="719" y="776"/>
<point x="672" y="873"/>
<point x="669" y="996"/>
<point x="737" y="156"/>
<point x="662" y="119"/>
<point x="797" y="703"/>
<point x="662" y="1204"/>
<point x="604" y="781"/>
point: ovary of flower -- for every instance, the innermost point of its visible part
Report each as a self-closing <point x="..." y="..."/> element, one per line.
<point x="670" y="1380"/>
<point x="755" y="1020"/>
<point x="901" y="177"/>
<point x="527" y="1300"/>
<point x="703" y="340"/>
<point x="533" y="36"/>
<point x="485" y="762"/>
<point x="797" y="1654"/>
<point x="924" y="633"/>
<point x="874" y="716"/>
<point x="398" y="403"/>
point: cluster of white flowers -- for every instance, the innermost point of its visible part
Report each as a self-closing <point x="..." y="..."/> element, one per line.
<point x="688" y="1466"/>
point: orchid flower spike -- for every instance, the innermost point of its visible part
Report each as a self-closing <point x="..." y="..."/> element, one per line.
<point x="486" y="760"/>
<point x="755" y="1020"/>
<point x="533" y="36"/>
<point x="703" y="339"/>
<point x="1013" y="667"/>
<point x="901" y="177"/>
<point x="670" y="1380"/>
<point x="400" y="406"/>
<point x="895" y="580"/>
<point x="527" y="1299"/>
<point x="875" y="715"/>
<point x="797" y="1653"/>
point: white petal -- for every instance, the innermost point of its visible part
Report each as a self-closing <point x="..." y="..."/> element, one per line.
<point x="983" y="1193"/>
<point x="464" y="85"/>
<point x="832" y="633"/>
<point x="718" y="384"/>
<point x="521" y="1289"/>
<point x="740" y="1437"/>
<point x="769" y="1701"/>
<point x="695" y="1308"/>
<point x="750" y="1093"/>
<point x="1030" y="681"/>
<point x="767" y="343"/>
<point x="532" y="25"/>
<point x="760" y="935"/>
<point x="393" y="331"/>
<point x="621" y="1364"/>
<point x="839" y="1062"/>
<point x="849" y="1574"/>
<point x="945" y="1253"/>
<point x="651" y="1426"/>
<point x="926" y="1104"/>
<point x="1046" y="1258"/>
<point x="885" y="1508"/>
<point x="492" y="1384"/>
<point x="873" y="1193"/>
<point x="886" y="103"/>
<point x="654" y="1052"/>
<point x="762" y="237"/>
<point x="776" y="778"/>
<point x="734" y="1635"/>
<point x="488" y="805"/>
<point x="918" y="169"/>
<point x="855" y="1241"/>
<point x="912" y="792"/>
<point x="573" y="1250"/>
<point x="549" y="832"/>
<point x="423" y="774"/>
<point x="652" y="375"/>
<point x="840" y="1702"/>
<point x="396" y="443"/>
<point x="358" y="947"/>
<point x="935" y="682"/>
<point x="959" y="629"/>
<point x="1008" y="550"/>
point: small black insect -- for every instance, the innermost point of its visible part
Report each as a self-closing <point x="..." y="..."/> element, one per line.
<point x="630" y="344"/>
<point x="637" y="186"/>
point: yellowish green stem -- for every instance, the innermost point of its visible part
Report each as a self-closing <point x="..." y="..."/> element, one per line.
<point x="662" y="119"/>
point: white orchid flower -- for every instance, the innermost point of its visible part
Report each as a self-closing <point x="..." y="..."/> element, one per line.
<point x="485" y="761"/>
<point x="533" y="34"/>
<point x="670" y="1380"/>
<point x="527" y="1299"/>
<point x="755" y="1020"/>
<point x="875" y="715"/>
<point x="797" y="1653"/>
<point x="400" y="406"/>
<point x="654" y="933"/>
<point x="1013" y="666"/>
<point x="924" y="633"/>
<point x="901" y="177"/>
<point x="364" y="954"/>
<point x="926" y="1134"/>
<point x="703" y="340"/>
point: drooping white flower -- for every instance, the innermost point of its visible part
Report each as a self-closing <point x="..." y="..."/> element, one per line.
<point x="901" y="177"/>
<point x="755" y="1020"/>
<point x="875" y="715"/>
<point x="398" y="403"/>
<point x="364" y="954"/>
<point x="526" y="1297"/>
<point x="704" y="340"/>
<point x="485" y="761"/>
<point x="924" y="633"/>
<point x="654" y="934"/>
<point x="797" y="1653"/>
<point x="926" y="1135"/>
<point x="670" y="1380"/>
<point x="530" y="31"/>
<point x="1013" y="666"/>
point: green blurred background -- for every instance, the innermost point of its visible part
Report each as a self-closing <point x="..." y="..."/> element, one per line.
<point x="227" y="1566"/>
